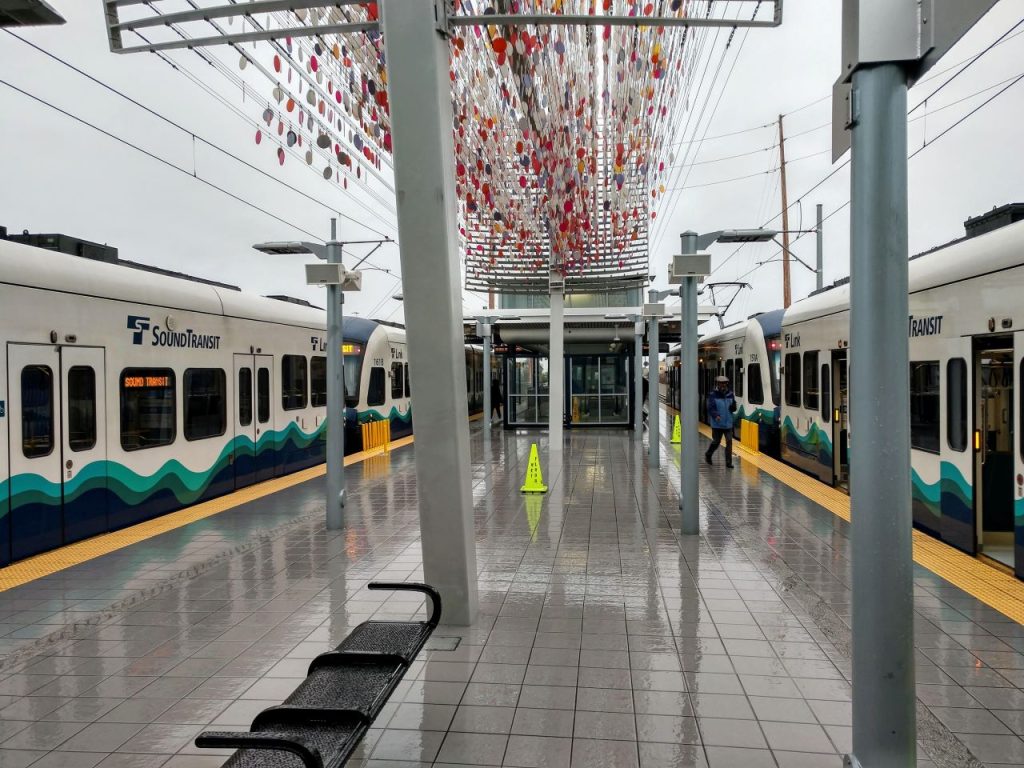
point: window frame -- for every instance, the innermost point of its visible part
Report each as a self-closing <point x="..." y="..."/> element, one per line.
<point x="811" y="395"/>
<point x="220" y="377"/>
<point x="173" y="386"/>
<point x="825" y="392"/>
<point x="792" y="375"/>
<point x="371" y="400"/>
<point x="963" y="405"/>
<point x="738" y="384"/>
<point x="760" y="384"/>
<point x="287" y="399"/>
<point x="245" y="395"/>
<point x="72" y="445"/>
<point x="263" y="377"/>
<point x="317" y="398"/>
<point x="397" y="380"/>
<point x="52" y="434"/>
<point x="915" y="434"/>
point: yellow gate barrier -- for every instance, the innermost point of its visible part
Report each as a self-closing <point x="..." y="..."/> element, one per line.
<point x="749" y="434"/>
<point x="377" y="434"/>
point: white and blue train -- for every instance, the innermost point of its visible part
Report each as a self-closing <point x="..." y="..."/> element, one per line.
<point x="126" y="394"/>
<point x="790" y="372"/>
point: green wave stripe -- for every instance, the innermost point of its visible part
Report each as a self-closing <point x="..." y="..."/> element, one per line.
<point x="810" y="442"/>
<point x="186" y="484"/>
<point x="757" y="415"/>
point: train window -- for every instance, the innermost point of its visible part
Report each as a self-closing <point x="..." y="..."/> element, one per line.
<point x="205" y="395"/>
<point x="397" y="381"/>
<point x="826" y="395"/>
<point x="376" y="394"/>
<point x="407" y="380"/>
<point x="81" y="408"/>
<point x="318" y="381"/>
<point x="36" y="411"/>
<point x="245" y="396"/>
<point x="810" y="380"/>
<point x="729" y="371"/>
<point x="924" y="406"/>
<point x="755" y="388"/>
<point x="263" y="395"/>
<point x="293" y="382"/>
<point x="737" y="383"/>
<point x="774" y="358"/>
<point x="956" y="403"/>
<point x="792" y="371"/>
<point x="148" y="408"/>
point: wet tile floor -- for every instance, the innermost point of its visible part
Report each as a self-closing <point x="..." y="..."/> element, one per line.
<point x="604" y="639"/>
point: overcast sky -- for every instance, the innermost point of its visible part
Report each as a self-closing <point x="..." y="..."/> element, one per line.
<point x="60" y="176"/>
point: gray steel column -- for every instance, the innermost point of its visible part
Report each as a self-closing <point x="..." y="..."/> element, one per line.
<point x="820" y="273"/>
<point x="485" y="328"/>
<point x="335" y="394"/>
<point x="688" y="448"/>
<point x="556" y="374"/>
<point x="883" y="605"/>
<point x="653" y="430"/>
<point x="424" y="164"/>
<point x="638" y="378"/>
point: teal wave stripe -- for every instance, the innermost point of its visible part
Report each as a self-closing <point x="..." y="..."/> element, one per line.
<point x="186" y="484"/>
<point x="815" y="441"/>
<point x="950" y="493"/>
<point x="372" y="414"/>
<point x="757" y="415"/>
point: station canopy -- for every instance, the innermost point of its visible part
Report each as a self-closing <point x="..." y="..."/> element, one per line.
<point x="565" y="112"/>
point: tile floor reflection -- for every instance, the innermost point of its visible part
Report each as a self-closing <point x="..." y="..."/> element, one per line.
<point x="604" y="639"/>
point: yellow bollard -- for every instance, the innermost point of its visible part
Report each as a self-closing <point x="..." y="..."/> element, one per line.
<point x="677" y="432"/>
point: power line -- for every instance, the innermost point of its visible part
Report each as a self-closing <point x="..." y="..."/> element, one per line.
<point x="969" y="64"/>
<point x="160" y="160"/>
<point x="194" y="136"/>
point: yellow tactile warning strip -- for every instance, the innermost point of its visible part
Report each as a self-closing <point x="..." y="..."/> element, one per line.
<point x="47" y="563"/>
<point x="995" y="588"/>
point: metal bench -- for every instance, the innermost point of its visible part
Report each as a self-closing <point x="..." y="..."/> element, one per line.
<point x="325" y="718"/>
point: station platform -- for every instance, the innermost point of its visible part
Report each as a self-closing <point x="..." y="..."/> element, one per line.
<point x="604" y="638"/>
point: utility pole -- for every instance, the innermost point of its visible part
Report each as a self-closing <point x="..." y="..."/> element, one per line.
<point x="786" y="294"/>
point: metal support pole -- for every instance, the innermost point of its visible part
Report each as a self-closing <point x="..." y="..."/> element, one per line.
<point x="883" y="606"/>
<point x="820" y="272"/>
<point x="485" y="328"/>
<point x="556" y="374"/>
<point x="335" y="394"/>
<point x="653" y="430"/>
<point x="424" y="169"/>
<point x="638" y="378"/>
<point x="688" y="449"/>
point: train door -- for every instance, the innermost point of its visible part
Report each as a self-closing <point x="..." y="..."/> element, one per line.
<point x="83" y="441"/>
<point x="1018" y="459"/>
<point x="993" y="442"/>
<point x="840" y="420"/>
<point x="56" y="436"/>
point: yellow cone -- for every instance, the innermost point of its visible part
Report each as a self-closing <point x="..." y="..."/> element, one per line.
<point x="677" y="436"/>
<point x="534" y="481"/>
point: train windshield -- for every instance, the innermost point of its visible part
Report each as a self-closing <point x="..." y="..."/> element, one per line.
<point x="353" y="353"/>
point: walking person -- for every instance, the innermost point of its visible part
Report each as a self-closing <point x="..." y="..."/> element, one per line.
<point x="721" y="407"/>
<point x="496" y="399"/>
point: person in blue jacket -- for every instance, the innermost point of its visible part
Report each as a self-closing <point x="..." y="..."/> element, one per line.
<point x="721" y="407"/>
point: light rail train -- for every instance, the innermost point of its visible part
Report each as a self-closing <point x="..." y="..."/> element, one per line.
<point x="126" y="394"/>
<point x="790" y="373"/>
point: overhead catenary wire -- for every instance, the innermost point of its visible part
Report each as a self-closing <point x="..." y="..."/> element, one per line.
<point x="192" y="134"/>
<point x="163" y="161"/>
